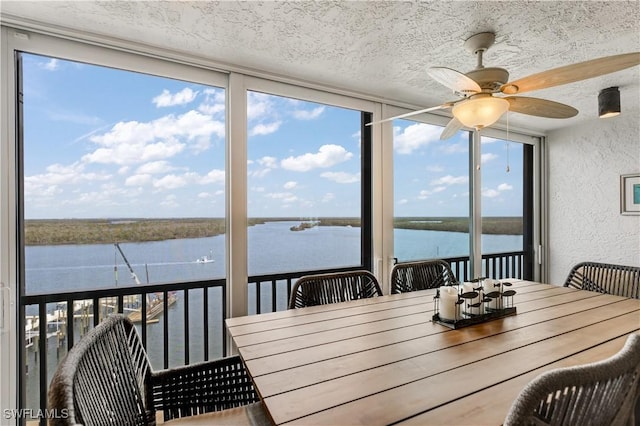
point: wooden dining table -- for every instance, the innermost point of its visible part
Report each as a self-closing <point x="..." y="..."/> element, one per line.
<point x="385" y="361"/>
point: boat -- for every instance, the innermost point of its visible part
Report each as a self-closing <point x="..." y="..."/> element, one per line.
<point x="205" y="259"/>
<point x="155" y="306"/>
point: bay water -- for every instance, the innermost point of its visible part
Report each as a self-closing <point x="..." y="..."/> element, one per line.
<point x="273" y="248"/>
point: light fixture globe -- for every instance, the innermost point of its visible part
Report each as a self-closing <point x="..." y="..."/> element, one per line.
<point x="480" y="111"/>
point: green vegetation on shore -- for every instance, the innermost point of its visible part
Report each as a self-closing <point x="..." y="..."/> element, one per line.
<point x="107" y="231"/>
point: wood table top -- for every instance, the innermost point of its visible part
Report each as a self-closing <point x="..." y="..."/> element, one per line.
<point x="383" y="360"/>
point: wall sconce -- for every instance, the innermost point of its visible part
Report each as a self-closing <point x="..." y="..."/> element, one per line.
<point x="609" y="102"/>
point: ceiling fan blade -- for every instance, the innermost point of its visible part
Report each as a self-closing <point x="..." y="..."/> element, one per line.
<point x="572" y="73"/>
<point x="452" y="128"/>
<point x="540" y="107"/>
<point x="409" y="114"/>
<point x="454" y="80"/>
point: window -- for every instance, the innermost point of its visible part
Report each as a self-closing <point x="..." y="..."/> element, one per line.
<point x="502" y="195"/>
<point x="431" y="192"/>
<point x="124" y="185"/>
<point x="432" y="199"/>
<point x="305" y="186"/>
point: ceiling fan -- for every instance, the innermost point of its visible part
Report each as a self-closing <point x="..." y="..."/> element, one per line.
<point x="479" y="107"/>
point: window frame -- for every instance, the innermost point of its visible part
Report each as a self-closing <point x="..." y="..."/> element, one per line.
<point x="11" y="158"/>
<point x="239" y="142"/>
<point x="532" y="218"/>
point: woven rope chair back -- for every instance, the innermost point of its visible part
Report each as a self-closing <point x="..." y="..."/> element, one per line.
<point x="102" y="379"/>
<point x="421" y="275"/>
<point x="619" y="280"/>
<point x="322" y="289"/>
<point x="600" y="393"/>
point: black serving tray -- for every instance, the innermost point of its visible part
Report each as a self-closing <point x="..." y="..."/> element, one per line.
<point x="476" y="319"/>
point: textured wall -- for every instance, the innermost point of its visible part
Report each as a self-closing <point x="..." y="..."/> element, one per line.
<point x="585" y="164"/>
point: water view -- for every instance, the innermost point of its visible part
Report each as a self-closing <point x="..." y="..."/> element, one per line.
<point x="273" y="248"/>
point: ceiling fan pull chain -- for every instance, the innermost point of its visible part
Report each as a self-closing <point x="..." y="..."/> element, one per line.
<point x="508" y="143"/>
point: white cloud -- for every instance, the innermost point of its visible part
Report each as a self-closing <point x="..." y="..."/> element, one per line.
<point x="267" y="164"/>
<point x="450" y="180"/>
<point x="58" y="174"/>
<point x="138" y="180"/>
<point x="327" y="156"/>
<point x="265" y="129"/>
<point x="490" y="193"/>
<point x="425" y="193"/>
<point x="414" y="136"/>
<point x="267" y="161"/>
<point x="171" y="182"/>
<point x="52" y="65"/>
<point x="166" y="98"/>
<point x="210" y="109"/>
<point x="155" y="167"/>
<point x="403" y="201"/>
<point x="308" y="115"/>
<point x="258" y="105"/>
<point x="435" y="168"/>
<point x="287" y="197"/>
<point x="214" y="176"/>
<point x="213" y="103"/>
<point x="342" y="177"/>
<point x="290" y="185"/>
<point x="455" y="148"/>
<point x="485" y="158"/>
<point x="133" y="142"/>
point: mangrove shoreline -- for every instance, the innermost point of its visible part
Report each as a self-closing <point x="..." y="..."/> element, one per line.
<point x="108" y="231"/>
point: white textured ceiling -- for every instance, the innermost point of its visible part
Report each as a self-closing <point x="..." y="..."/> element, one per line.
<point x="379" y="48"/>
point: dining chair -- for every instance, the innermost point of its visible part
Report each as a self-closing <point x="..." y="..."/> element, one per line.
<point x="106" y="378"/>
<point x="619" y="280"/>
<point x="334" y="287"/>
<point x="420" y="275"/>
<point x="599" y="393"/>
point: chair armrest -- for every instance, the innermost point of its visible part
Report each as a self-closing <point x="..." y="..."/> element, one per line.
<point x="200" y="388"/>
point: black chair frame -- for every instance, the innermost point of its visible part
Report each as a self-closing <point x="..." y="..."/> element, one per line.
<point x="322" y="289"/>
<point x="421" y="275"/>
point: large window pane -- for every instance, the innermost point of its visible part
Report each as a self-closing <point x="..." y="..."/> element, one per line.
<point x="502" y="202"/>
<point x="431" y="192"/>
<point x="118" y="157"/>
<point x="124" y="178"/>
<point x="304" y="199"/>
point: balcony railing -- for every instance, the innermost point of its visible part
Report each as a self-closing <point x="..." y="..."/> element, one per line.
<point x="200" y="306"/>
<point x="48" y="334"/>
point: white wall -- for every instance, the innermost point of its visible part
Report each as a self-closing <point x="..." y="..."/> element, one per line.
<point x="585" y="164"/>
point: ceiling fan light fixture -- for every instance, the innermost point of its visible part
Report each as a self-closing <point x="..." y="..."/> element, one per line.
<point x="609" y="102"/>
<point x="480" y="111"/>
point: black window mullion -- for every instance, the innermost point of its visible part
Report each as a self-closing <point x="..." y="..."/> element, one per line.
<point x="366" y="211"/>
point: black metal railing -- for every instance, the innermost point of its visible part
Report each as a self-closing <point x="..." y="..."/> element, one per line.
<point x="47" y="318"/>
<point x="494" y="265"/>
<point x="267" y="293"/>
<point x="270" y="293"/>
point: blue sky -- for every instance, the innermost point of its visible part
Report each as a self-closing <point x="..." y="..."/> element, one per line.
<point x="104" y="143"/>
